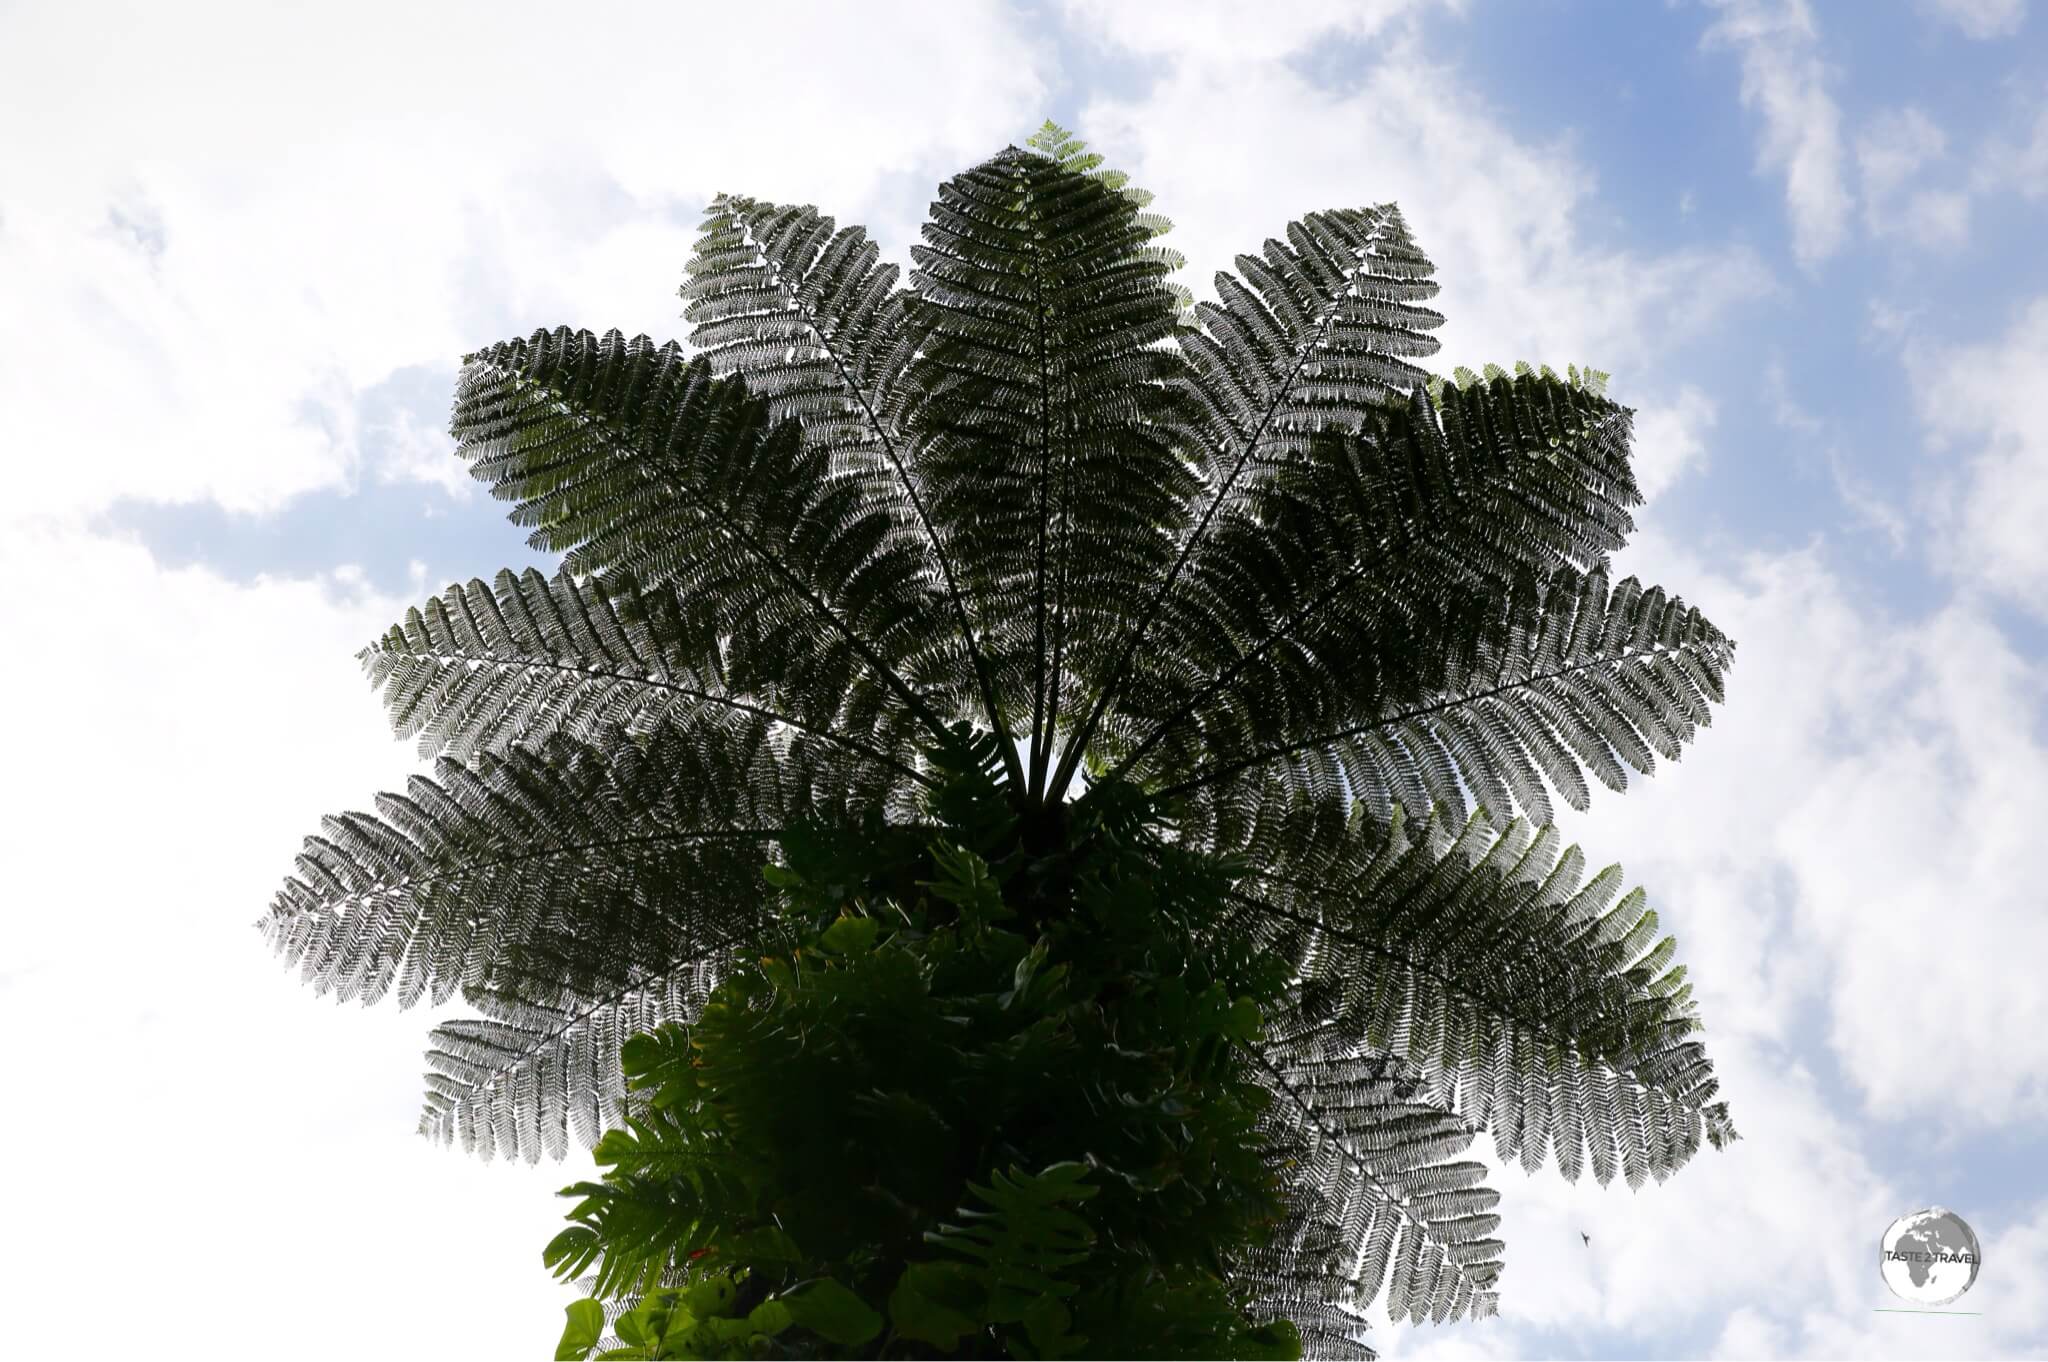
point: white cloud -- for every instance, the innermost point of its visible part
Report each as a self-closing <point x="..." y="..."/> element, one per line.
<point x="1980" y="18"/>
<point x="178" y="1102"/>
<point x="220" y="281"/>
<point x="1500" y="216"/>
<point x="2018" y="167"/>
<point x="1784" y="78"/>
<point x="230" y="239"/>
<point x="2028" y="169"/>
<point x="1872" y="509"/>
<point x="1217" y="30"/>
<point x="1766" y="1249"/>
<point x="1670" y="439"/>
<point x="233" y="224"/>
<point x="1777" y="844"/>
<point x="2007" y="1297"/>
<point x="1981" y="408"/>
<point x="1781" y="833"/>
<point x="1894" y="147"/>
<point x="1892" y="153"/>
<point x="412" y="451"/>
<point x="1938" y="218"/>
<point x="1786" y="410"/>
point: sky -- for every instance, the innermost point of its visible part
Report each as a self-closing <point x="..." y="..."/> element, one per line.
<point x="242" y="248"/>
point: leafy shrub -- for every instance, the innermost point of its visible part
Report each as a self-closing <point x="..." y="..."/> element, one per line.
<point x="931" y="1122"/>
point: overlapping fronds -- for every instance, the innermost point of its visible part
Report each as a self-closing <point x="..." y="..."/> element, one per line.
<point x="629" y="459"/>
<point x="1357" y="573"/>
<point x="576" y="866"/>
<point x="809" y="315"/>
<point x="1537" y="1003"/>
<point x="1313" y="338"/>
<point x="1041" y="309"/>
<point x="1552" y="680"/>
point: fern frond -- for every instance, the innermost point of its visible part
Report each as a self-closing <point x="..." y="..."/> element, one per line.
<point x="1318" y="339"/>
<point x="526" y="1076"/>
<point x="1381" y="1203"/>
<point x="1072" y="155"/>
<point x="1023" y="1237"/>
<point x="579" y="866"/>
<point x="1271" y="585"/>
<point x="631" y="460"/>
<point x="1565" y="677"/>
<point x="1538" y="1004"/>
<point x="479" y="668"/>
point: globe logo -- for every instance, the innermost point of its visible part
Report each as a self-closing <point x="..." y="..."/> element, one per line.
<point x="1929" y="1257"/>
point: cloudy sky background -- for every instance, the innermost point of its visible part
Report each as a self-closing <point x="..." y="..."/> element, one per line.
<point x="242" y="248"/>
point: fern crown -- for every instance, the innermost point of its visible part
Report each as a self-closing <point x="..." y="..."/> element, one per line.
<point x="1348" y="626"/>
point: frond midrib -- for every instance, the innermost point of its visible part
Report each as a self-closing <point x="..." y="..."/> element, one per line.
<point x="406" y="883"/>
<point x="571" y="1020"/>
<point x="531" y="663"/>
<point x="1523" y="683"/>
<point x="1357" y="1161"/>
<point x="1616" y="1063"/>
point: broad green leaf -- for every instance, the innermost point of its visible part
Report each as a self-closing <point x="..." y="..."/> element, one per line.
<point x="770" y="1317"/>
<point x="1046" y="1323"/>
<point x="851" y="935"/>
<point x="1243" y="1022"/>
<point x="569" y="1252"/>
<point x="711" y="1296"/>
<point x="936" y="1303"/>
<point x="1278" y="1341"/>
<point x="580" y="1335"/>
<point x="831" y="1311"/>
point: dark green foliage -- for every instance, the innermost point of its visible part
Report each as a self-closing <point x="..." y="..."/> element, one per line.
<point x="1235" y="651"/>
<point x="1000" y="1127"/>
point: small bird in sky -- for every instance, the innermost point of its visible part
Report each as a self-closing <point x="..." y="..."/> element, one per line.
<point x="1587" y="1237"/>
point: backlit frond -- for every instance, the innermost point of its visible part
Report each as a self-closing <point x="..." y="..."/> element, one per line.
<point x="1560" y="678"/>
<point x="1041" y="308"/>
<point x="527" y="1077"/>
<point x="1534" y="1002"/>
<point x="631" y="459"/>
<point x="579" y="866"/>
<point x="1382" y="1201"/>
<point x="480" y="669"/>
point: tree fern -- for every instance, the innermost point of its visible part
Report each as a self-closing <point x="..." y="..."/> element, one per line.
<point x="1028" y="554"/>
